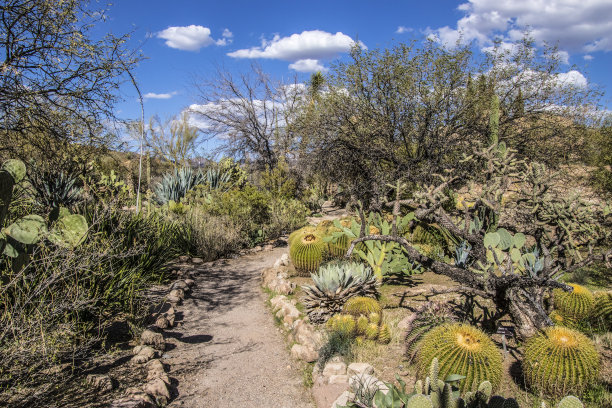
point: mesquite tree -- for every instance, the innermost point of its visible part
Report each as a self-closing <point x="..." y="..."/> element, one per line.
<point x="514" y="237"/>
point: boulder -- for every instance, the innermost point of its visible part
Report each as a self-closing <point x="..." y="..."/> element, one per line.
<point x="360" y="369"/>
<point x="150" y="338"/>
<point x="304" y="353"/>
<point x="158" y="389"/>
<point x="155" y="369"/>
<point x="343" y="399"/>
<point x="338" y="379"/>
<point x="100" y="382"/>
<point x="197" y="261"/>
<point x="190" y="282"/>
<point x="142" y="354"/>
<point x="179" y="293"/>
<point x="162" y="322"/>
<point x="334" y="368"/>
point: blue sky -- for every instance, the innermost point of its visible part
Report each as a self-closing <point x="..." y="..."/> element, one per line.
<point x="187" y="39"/>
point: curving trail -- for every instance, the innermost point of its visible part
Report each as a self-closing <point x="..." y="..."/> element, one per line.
<point x="228" y="352"/>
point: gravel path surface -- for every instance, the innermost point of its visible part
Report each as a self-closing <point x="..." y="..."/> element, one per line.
<point x="228" y="352"/>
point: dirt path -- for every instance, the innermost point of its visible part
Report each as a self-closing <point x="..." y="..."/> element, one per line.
<point x="228" y="352"/>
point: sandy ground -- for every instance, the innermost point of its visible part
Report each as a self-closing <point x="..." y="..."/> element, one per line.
<point x="228" y="352"/>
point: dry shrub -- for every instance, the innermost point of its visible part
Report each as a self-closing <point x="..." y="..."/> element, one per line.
<point x="214" y="236"/>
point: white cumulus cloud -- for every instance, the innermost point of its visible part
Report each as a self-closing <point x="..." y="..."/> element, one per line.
<point x="307" y="65"/>
<point x="314" y="45"/>
<point x="575" y="25"/>
<point x="402" y="30"/>
<point x="193" y="37"/>
<point x="153" y="95"/>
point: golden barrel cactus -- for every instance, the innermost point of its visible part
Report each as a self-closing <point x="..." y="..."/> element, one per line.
<point x="602" y="312"/>
<point x="574" y="305"/>
<point x="559" y="361"/>
<point x="307" y="252"/>
<point x="461" y="349"/>
<point x="362" y="306"/>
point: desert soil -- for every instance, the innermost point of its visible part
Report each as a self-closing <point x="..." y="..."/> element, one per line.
<point x="228" y="351"/>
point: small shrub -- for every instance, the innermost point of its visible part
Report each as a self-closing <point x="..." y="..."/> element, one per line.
<point x="338" y="344"/>
<point x="214" y="236"/>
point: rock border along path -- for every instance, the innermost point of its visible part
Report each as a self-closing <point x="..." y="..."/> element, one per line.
<point x="226" y="350"/>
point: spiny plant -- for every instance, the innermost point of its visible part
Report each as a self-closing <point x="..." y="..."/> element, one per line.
<point x="308" y="229"/>
<point x="342" y="323"/>
<point x="462" y="349"/>
<point x="602" y="312"/>
<point x="307" y="252"/>
<point x="17" y="240"/>
<point x="573" y="305"/>
<point x="334" y="284"/>
<point x="174" y="186"/>
<point x="425" y="318"/>
<point x="560" y="360"/>
<point x="362" y="306"/>
<point x="53" y="190"/>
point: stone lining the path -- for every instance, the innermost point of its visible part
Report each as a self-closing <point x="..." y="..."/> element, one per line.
<point x="333" y="384"/>
<point x="156" y="391"/>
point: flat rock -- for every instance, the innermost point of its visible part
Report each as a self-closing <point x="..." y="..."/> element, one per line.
<point x="155" y="340"/>
<point x="342" y="400"/>
<point x="338" y="379"/>
<point x="360" y="369"/>
<point x="334" y="368"/>
<point x="197" y="261"/>
<point x="304" y="353"/>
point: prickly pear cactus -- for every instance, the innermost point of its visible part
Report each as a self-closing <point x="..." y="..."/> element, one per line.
<point x="560" y="360"/>
<point x="11" y="173"/>
<point x="69" y="231"/>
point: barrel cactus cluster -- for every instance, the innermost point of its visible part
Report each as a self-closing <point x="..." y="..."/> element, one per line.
<point x="559" y="361"/>
<point x="602" y="312"/>
<point x="361" y="319"/>
<point x="575" y="305"/>
<point x="464" y="350"/>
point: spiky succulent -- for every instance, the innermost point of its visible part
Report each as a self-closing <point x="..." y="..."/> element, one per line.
<point x="560" y="360"/>
<point x="573" y="305"/>
<point x="307" y="252"/>
<point x="602" y="312"/>
<point x="342" y="323"/>
<point x="308" y="229"/>
<point x="425" y="318"/>
<point x="174" y="186"/>
<point x="362" y="306"/>
<point x="54" y="189"/>
<point x="461" y="349"/>
<point x="334" y="284"/>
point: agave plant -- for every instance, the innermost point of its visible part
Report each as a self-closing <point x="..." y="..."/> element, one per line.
<point x="216" y="178"/>
<point x="334" y="284"/>
<point x="54" y="189"/>
<point x="175" y="185"/>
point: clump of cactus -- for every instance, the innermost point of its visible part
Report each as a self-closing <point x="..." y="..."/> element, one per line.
<point x="462" y="349"/>
<point x="307" y="252"/>
<point x="560" y="360"/>
<point x="334" y="285"/>
<point x="424" y="319"/>
<point x="342" y="323"/>
<point x="308" y="229"/>
<point x="18" y="238"/>
<point x="573" y="305"/>
<point x="602" y="312"/>
<point x="174" y="186"/>
<point x="362" y="306"/>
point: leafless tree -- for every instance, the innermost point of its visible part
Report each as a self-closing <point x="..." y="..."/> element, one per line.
<point x="250" y="113"/>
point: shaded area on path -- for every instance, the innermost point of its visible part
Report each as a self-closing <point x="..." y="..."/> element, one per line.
<point x="228" y="352"/>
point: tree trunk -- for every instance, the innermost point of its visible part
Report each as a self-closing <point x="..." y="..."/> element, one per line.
<point x="527" y="311"/>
